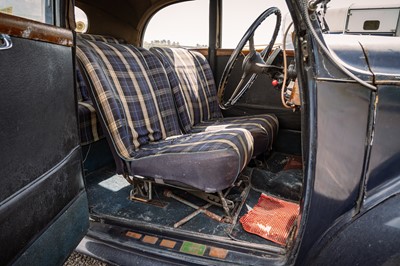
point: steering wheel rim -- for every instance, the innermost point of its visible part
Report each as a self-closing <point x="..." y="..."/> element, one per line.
<point x="247" y="37"/>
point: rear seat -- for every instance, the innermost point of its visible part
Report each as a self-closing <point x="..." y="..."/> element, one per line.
<point x="89" y="126"/>
<point x="196" y="98"/>
<point x="133" y="96"/>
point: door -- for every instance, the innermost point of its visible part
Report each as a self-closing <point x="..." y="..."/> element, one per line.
<point x="43" y="203"/>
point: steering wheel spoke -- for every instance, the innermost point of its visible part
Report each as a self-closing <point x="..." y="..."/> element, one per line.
<point x="252" y="47"/>
<point x="253" y="64"/>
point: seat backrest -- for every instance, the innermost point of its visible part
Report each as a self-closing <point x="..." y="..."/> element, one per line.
<point x="102" y="38"/>
<point x="193" y="85"/>
<point x="132" y="94"/>
<point x="82" y="90"/>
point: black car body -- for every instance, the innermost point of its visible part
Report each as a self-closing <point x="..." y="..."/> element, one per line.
<point x="345" y="133"/>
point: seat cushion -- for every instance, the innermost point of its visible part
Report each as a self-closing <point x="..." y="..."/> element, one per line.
<point x="209" y="161"/>
<point x="89" y="125"/>
<point x="263" y="128"/>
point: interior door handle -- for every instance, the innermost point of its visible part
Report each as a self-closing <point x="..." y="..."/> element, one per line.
<point x="5" y="42"/>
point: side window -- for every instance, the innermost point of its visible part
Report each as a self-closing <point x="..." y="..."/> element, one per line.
<point x="180" y="25"/>
<point x="39" y="10"/>
<point x="236" y="19"/>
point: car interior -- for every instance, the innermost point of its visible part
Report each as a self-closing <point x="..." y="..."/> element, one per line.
<point x="166" y="148"/>
<point x="199" y="131"/>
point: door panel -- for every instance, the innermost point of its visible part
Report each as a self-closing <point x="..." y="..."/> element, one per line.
<point x="40" y="157"/>
<point x="384" y="164"/>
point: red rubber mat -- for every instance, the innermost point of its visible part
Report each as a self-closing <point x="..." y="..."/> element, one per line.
<point x="271" y="218"/>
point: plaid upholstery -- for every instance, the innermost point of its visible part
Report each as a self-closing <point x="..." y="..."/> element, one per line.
<point x="264" y="128"/>
<point x="89" y="126"/>
<point x="83" y="93"/>
<point x="195" y="96"/>
<point x="193" y="85"/>
<point x="82" y="90"/>
<point x="124" y="83"/>
<point x="101" y="38"/>
<point x="135" y="101"/>
<point x="209" y="161"/>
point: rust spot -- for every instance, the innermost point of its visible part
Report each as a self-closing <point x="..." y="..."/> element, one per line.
<point x="133" y="235"/>
<point x="150" y="239"/>
<point x="30" y="29"/>
<point x="168" y="243"/>
<point x="219" y="253"/>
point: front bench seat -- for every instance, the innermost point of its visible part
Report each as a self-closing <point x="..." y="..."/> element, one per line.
<point x="195" y="95"/>
<point x="133" y="98"/>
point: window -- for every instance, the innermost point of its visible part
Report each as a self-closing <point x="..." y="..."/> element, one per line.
<point x="371" y="25"/>
<point x="39" y="10"/>
<point x="81" y="21"/>
<point x="237" y="18"/>
<point x="180" y="25"/>
<point x="186" y="24"/>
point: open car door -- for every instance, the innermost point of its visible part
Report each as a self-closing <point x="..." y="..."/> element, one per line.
<point x="43" y="203"/>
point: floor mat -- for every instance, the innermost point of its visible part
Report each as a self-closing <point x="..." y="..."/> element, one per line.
<point x="285" y="184"/>
<point x="280" y="161"/>
<point x="271" y="218"/>
<point x="294" y="162"/>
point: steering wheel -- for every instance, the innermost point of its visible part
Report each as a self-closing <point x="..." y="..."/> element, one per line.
<point x="253" y="64"/>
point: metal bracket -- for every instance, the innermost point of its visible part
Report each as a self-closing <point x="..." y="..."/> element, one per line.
<point x="213" y="199"/>
<point x="141" y="191"/>
<point x="304" y="49"/>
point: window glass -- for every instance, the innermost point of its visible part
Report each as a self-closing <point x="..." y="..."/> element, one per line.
<point x="180" y="25"/>
<point x="237" y="16"/>
<point x="39" y="10"/>
<point x="81" y="21"/>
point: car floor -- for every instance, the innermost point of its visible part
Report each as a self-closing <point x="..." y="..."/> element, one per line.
<point x="108" y="196"/>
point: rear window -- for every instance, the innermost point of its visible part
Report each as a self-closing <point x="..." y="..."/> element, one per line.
<point x="183" y="24"/>
<point x="81" y="21"/>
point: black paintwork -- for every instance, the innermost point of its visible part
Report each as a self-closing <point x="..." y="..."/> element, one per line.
<point x="384" y="163"/>
<point x="371" y="239"/>
<point x="338" y="133"/>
